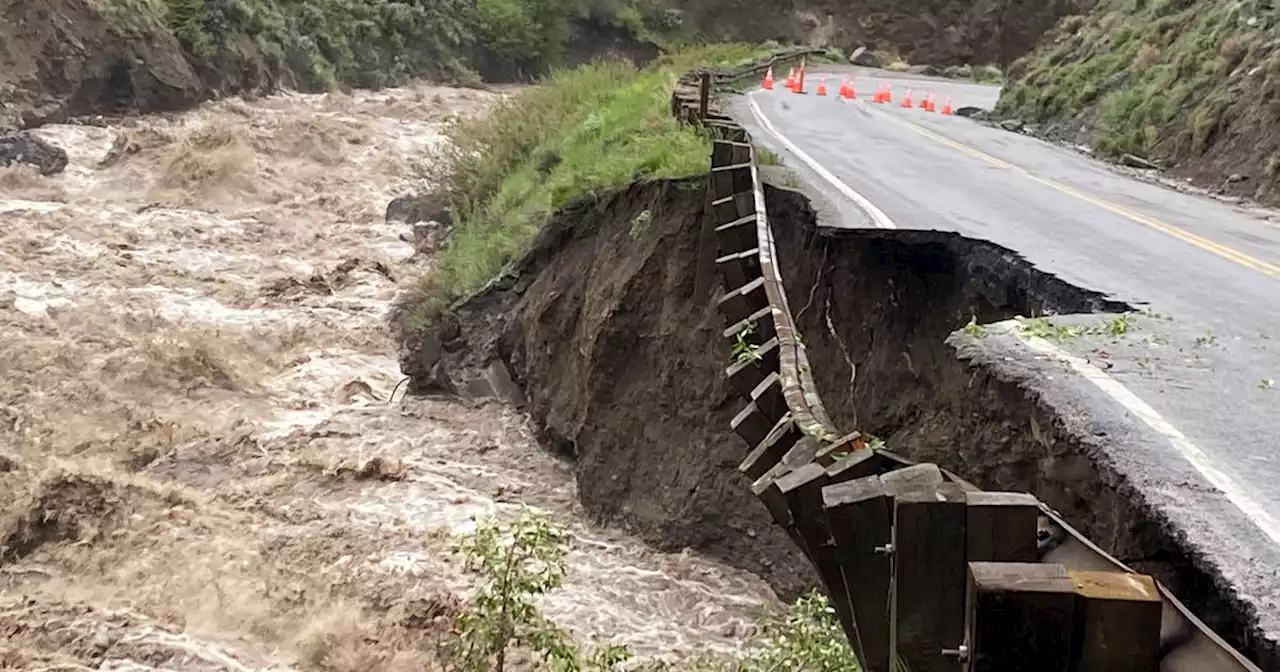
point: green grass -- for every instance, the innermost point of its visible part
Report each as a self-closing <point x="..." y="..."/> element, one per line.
<point x="1154" y="76"/>
<point x="371" y="43"/>
<point x="584" y="130"/>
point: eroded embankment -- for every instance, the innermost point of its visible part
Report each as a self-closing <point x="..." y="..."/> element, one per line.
<point x="608" y="330"/>
<point x="609" y="325"/>
<point x="892" y="303"/>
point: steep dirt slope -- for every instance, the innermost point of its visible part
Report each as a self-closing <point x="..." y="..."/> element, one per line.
<point x="617" y="346"/>
<point x="1191" y="84"/>
<point x="952" y="32"/>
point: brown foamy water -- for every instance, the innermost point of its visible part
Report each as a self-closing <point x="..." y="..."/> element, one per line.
<point x="199" y="465"/>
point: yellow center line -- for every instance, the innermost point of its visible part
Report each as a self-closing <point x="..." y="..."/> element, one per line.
<point x="1266" y="268"/>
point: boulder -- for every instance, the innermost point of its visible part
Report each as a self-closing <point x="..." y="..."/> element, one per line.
<point x="411" y="209"/>
<point x="864" y="57"/>
<point x="971" y="112"/>
<point x="23" y="147"/>
<point x="1012" y="125"/>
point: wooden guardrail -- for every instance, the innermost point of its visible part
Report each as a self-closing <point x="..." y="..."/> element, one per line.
<point x="925" y="571"/>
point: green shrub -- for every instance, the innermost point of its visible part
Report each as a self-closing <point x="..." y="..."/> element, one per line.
<point x="515" y="563"/>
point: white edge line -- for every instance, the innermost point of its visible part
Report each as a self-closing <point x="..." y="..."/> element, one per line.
<point x="878" y="218"/>
<point x="1109" y="386"/>
<point x="1189" y="451"/>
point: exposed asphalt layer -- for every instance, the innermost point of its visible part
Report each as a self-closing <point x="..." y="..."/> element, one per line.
<point x="1210" y="366"/>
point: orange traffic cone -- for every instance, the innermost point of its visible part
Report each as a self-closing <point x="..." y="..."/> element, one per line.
<point x="929" y="104"/>
<point x="886" y="93"/>
<point x="946" y="107"/>
<point x="849" y="93"/>
<point x="791" y="79"/>
<point x="800" y="78"/>
<point x="924" y="102"/>
<point x="822" y="86"/>
<point x="768" y="79"/>
<point x="906" y="99"/>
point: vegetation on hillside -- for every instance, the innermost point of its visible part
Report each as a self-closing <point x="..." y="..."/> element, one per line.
<point x="583" y="130"/>
<point x="377" y="42"/>
<point x="517" y="561"/>
<point x="1161" y="79"/>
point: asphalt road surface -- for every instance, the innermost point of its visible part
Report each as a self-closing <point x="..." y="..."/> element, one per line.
<point x="1201" y="386"/>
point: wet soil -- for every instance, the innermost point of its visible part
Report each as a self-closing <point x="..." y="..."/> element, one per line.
<point x="608" y="326"/>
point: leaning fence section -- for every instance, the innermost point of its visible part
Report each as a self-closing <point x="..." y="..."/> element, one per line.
<point x="926" y="572"/>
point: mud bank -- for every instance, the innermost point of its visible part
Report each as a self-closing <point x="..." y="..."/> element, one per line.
<point x="615" y="344"/>
<point x="893" y="304"/>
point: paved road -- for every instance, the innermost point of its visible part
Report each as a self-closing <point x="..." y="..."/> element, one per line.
<point x="1198" y="382"/>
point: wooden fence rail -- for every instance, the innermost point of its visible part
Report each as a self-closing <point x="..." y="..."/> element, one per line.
<point x="925" y="571"/>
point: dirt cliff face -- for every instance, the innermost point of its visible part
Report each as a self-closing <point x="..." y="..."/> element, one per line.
<point x="606" y="327"/>
<point x="954" y="32"/>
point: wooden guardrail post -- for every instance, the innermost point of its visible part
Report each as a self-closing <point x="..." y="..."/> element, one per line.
<point x="1021" y="616"/>
<point x="929" y="576"/>
<point x="704" y="95"/>
<point x="1002" y="527"/>
<point x="858" y="513"/>
<point x="1117" y="622"/>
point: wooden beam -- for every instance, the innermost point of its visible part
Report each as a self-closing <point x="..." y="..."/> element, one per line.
<point x="1002" y="527"/>
<point x="1117" y="622"/>
<point x="930" y="572"/>
<point x="858" y="513"/>
<point x="802" y="489"/>
<point x="704" y="95"/>
<point x="1020" y="616"/>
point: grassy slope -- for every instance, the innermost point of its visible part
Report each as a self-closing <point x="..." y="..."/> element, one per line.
<point x="587" y="129"/>
<point x="377" y="42"/>
<point x="1191" y="83"/>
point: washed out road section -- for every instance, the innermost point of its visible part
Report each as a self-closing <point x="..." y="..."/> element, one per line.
<point x="1206" y="360"/>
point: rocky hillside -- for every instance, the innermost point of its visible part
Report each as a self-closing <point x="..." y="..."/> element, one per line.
<point x="950" y="32"/>
<point x="1193" y="85"/>
<point x="65" y="58"/>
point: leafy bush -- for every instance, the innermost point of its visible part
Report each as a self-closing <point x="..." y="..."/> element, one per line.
<point x="516" y="562"/>
<point x="520" y="560"/>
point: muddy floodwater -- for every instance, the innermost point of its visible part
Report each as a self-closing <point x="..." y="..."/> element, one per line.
<point x="201" y="463"/>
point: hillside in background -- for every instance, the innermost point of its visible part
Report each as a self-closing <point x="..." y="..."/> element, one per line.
<point x="64" y="58"/>
<point x="1193" y="85"/>
<point x="939" y="32"/>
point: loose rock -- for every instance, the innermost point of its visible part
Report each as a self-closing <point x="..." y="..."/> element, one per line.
<point x="864" y="57"/>
<point x="411" y="209"/>
<point x="1012" y="125"/>
<point x="23" y="147"/>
